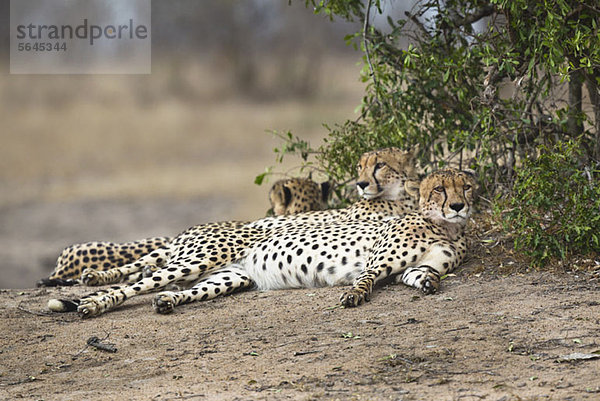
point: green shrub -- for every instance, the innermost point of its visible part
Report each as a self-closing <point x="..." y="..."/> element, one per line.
<point x="489" y="85"/>
<point x="554" y="210"/>
<point x="479" y="84"/>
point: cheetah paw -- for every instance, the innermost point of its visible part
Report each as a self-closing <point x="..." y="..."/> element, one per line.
<point x="91" y="277"/>
<point x="352" y="298"/>
<point x="164" y="303"/>
<point x="429" y="285"/>
<point x="88" y="308"/>
<point x="149" y="270"/>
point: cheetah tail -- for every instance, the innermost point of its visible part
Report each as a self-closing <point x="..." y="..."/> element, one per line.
<point x="63" y="305"/>
<point x="56" y="282"/>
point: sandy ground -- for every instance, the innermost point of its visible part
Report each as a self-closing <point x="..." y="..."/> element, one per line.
<point x="480" y="338"/>
<point x="483" y="336"/>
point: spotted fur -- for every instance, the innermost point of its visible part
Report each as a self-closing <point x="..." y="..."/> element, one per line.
<point x="130" y="267"/>
<point x="101" y="256"/>
<point x="297" y="195"/>
<point x="379" y="170"/>
<point x="288" y="196"/>
<point x="419" y="247"/>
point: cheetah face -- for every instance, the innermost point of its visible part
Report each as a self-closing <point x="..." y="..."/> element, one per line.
<point x="446" y="196"/>
<point x="383" y="173"/>
<point x="296" y="195"/>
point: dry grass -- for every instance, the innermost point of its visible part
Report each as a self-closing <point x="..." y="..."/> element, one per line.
<point x="179" y="132"/>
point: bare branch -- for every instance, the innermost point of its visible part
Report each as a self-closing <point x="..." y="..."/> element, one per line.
<point x="418" y="23"/>
<point x="468" y="19"/>
<point x="99" y="344"/>
<point x="366" y="44"/>
<point x="597" y="10"/>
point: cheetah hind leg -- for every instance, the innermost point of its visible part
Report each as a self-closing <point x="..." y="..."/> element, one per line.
<point x="221" y="282"/>
<point x="129" y="272"/>
<point x="147" y="271"/>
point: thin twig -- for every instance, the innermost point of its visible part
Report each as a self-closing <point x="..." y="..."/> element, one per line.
<point x="19" y="307"/>
<point x="189" y="396"/>
<point x="98" y="344"/>
<point x="457" y="329"/>
<point x="417" y="23"/>
<point x="469" y="19"/>
<point x="366" y="45"/>
<point x="303" y="339"/>
<point x="300" y="353"/>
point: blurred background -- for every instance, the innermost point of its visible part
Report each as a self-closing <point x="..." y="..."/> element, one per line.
<point x="122" y="157"/>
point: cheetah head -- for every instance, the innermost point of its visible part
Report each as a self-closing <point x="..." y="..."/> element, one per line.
<point x="446" y="197"/>
<point x="296" y="195"/>
<point x="383" y="173"/>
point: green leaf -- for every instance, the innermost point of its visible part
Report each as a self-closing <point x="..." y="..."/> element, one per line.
<point x="260" y="178"/>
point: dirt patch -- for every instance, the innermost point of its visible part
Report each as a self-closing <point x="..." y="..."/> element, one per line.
<point x="481" y="337"/>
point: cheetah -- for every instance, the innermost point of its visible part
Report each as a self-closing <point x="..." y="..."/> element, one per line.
<point x="287" y="196"/>
<point x="384" y="171"/>
<point x="74" y="259"/>
<point x="418" y="248"/>
<point x="297" y="195"/>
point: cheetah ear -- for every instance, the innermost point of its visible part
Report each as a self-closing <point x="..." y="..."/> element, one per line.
<point x="325" y="191"/>
<point x="287" y="196"/>
<point x="412" y="188"/>
<point x="472" y="174"/>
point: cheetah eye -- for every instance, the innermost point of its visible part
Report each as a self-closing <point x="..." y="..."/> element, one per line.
<point x="467" y="187"/>
<point x="439" y="189"/>
<point x="379" y="165"/>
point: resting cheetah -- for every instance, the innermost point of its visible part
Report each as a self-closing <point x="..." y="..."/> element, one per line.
<point x="422" y="246"/>
<point x="287" y="196"/>
<point x="384" y="172"/>
<point x="297" y="195"/>
<point x="98" y="256"/>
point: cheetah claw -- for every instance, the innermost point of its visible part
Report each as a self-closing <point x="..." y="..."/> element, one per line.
<point x="88" y="308"/>
<point x="91" y="277"/>
<point x="429" y="286"/>
<point x="352" y="298"/>
<point x="149" y="270"/>
<point x="163" y="303"/>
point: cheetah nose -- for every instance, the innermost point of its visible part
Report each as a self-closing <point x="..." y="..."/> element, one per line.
<point x="457" y="207"/>
<point x="362" y="184"/>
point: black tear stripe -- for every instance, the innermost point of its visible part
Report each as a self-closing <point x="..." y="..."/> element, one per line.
<point x="466" y="199"/>
<point x="445" y="199"/>
<point x="376" y="180"/>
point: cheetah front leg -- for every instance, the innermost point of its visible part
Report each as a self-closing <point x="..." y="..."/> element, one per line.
<point x="221" y="282"/>
<point x="150" y="262"/>
<point x="437" y="262"/>
<point x="426" y="278"/>
<point x="422" y="271"/>
<point x="363" y="286"/>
